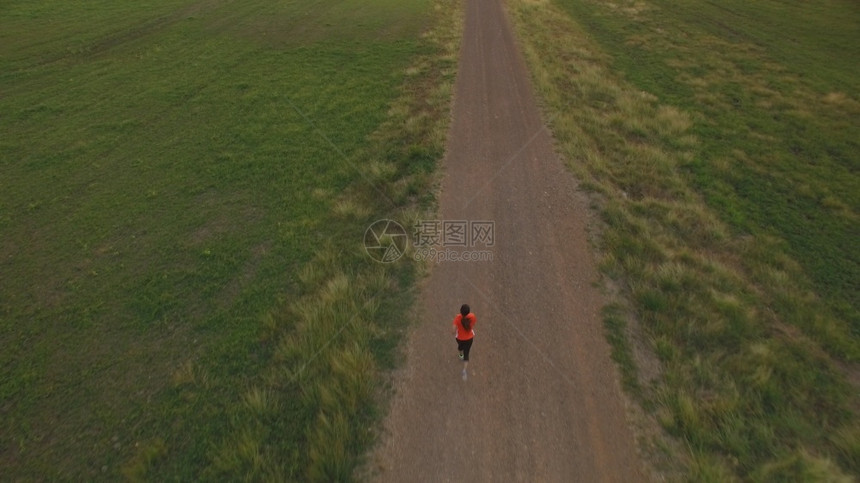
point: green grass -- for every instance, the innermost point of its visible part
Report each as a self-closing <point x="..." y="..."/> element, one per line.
<point x="719" y="143"/>
<point x="171" y="174"/>
<point x="775" y="91"/>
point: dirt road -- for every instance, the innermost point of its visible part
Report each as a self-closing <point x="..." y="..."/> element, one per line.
<point x="542" y="401"/>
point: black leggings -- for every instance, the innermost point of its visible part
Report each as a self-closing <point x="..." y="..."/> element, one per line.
<point x="465" y="345"/>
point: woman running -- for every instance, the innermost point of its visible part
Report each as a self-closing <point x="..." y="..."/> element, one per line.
<point x="463" y="330"/>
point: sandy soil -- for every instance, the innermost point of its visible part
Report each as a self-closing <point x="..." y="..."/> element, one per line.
<point x="542" y="401"/>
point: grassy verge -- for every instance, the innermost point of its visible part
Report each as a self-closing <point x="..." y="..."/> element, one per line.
<point x="331" y="347"/>
<point x="185" y="187"/>
<point x="723" y="161"/>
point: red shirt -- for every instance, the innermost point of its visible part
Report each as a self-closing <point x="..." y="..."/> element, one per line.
<point x="463" y="334"/>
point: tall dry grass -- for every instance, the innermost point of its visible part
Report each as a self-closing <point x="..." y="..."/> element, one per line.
<point x="737" y="391"/>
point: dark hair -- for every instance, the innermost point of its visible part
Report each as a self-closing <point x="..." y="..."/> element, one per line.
<point x="464" y="311"/>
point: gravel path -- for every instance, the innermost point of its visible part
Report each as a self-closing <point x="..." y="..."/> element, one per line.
<point x="542" y="401"/>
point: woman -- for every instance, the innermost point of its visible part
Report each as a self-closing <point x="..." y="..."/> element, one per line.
<point x="463" y="331"/>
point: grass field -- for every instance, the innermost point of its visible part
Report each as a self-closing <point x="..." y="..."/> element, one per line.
<point x="184" y="187"/>
<point x="720" y="143"/>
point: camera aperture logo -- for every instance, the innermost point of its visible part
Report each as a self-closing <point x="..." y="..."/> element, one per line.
<point x="385" y="241"/>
